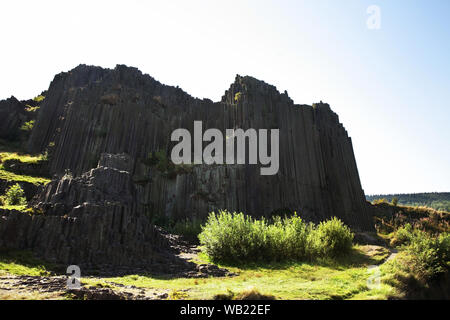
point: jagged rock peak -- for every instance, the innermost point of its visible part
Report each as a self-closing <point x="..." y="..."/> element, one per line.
<point x="90" y="111"/>
<point x="246" y="86"/>
<point x="84" y="75"/>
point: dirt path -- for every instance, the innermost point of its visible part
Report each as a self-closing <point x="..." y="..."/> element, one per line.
<point x="55" y="287"/>
<point x="393" y="254"/>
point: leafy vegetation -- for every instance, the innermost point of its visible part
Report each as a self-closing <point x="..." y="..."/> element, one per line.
<point x="24" y="158"/>
<point x="24" y="263"/>
<point x="27" y="126"/>
<point x="237" y="238"/>
<point x="421" y="269"/>
<point x="7" y="159"/>
<point x="29" y="108"/>
<point x="9" y="176"/>
<point x="428" y="256"/>
<point x="39" y="98"/>
<point x="344" y="278"/>
<point x="389" y="218"/>
<point x="238" y="96"/>
<point x="421" y="235"/>
<point x="14" y="196"/>
<point x="436" y="200"/>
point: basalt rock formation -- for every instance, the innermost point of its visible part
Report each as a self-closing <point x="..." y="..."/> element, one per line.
<point x="107" y="136"/>
<point x="88" y="219"/>
<point x="90" y="110"/>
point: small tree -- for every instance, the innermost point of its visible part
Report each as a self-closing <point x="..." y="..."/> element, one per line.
<point x="395" y="201"/>
<point x="14" y="196"/>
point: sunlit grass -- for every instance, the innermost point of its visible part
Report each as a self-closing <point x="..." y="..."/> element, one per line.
<point x="10" y="176"/>
<point x="25" y="158"/>
<point x="345" y="279"/>
<point x="23" y="263"/>
<point x="22" y="208"/>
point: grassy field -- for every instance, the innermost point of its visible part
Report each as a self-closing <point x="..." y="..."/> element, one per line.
<point x="10" y="176"/>
<point x="24" y="158"/>
<point x="326" y="280"/>
<point x="23" y="263"/>
<point x="344" y="279"/>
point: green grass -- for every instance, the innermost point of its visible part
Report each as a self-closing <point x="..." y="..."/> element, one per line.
<point x="25" y="158"/>
<point x="24" y="263"/>
<point x="29" y="108"/>
<point x="10" y="176"/>
<point x="343" y="279"/>
<point x="21" y="208"/>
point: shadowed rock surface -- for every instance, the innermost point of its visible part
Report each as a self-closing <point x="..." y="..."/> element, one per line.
<point x="86" y="220"/>
<point x="90" y="110"/>
<point x="107" y="135"/>
<point x="92" y="221"/>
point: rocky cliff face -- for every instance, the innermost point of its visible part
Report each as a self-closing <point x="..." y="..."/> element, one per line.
<point x="89" y="111"/>
<point x="87" y="220"/>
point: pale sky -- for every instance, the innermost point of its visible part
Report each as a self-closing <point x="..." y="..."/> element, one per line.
<point x="390" y="87"/>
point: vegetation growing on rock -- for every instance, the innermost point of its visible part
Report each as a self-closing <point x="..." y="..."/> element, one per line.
<point x="14" y="196"/>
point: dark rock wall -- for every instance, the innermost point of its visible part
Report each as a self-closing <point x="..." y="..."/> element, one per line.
<point x="87" y="220"/>
<point x="90" y="110"/>
<point x="12" y="116"/>
<point x="108" y="235"/>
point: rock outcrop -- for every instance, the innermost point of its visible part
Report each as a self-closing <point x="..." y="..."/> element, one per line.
<point x="90" y="111"/>
<point x="87" y="220"/>
<point x="93" y="221"/>
<point x="12" y="115"/>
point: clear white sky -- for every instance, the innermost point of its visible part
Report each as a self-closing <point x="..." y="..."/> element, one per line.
<point x="390" y="86"/>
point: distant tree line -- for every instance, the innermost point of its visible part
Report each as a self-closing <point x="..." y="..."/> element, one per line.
<point x="435" y="200"/>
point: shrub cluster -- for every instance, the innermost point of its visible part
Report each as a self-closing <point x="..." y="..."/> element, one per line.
<point x="235" y="237"/>
<point x="14" y="196"/>
<point x="428" y="256"/>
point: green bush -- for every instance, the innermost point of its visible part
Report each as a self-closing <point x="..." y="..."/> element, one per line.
<point x="428" y="256"/>
<point x="232" y="237"/>
<point x="331" y="239"/>
<point x="14" y="196"/>
<point x="444" y="248"/>
<point x="402" y="235"/>
<point x="235" y="237"/>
